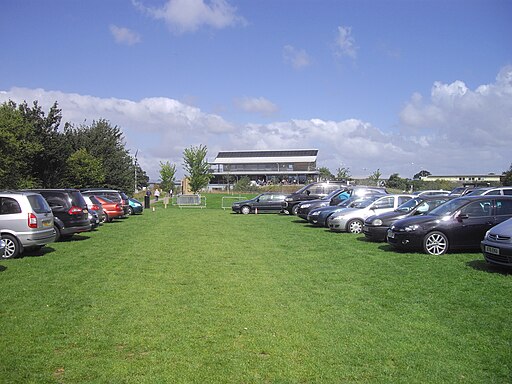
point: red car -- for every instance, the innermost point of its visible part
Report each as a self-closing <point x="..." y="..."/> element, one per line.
<point x="111" y="208"/>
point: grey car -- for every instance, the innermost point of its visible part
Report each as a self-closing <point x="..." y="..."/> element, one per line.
<point x="497" y="244"/>
<point x="26" y="222"/>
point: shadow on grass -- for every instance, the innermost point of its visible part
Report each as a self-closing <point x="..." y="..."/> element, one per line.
<point x="2" y="268"/>
<point x="482" y="265"/>
<point x="38" y="252"/>
<point x="73" y="238"/>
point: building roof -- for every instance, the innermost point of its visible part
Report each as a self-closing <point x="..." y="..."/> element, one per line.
<point x="267" y="156"/>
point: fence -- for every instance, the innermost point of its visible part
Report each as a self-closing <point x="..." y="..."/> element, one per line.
<point x="230" y="200"/>
<point x="191" y="201"/>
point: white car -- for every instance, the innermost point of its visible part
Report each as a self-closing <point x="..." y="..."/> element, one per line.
<point x="352" y="219"/>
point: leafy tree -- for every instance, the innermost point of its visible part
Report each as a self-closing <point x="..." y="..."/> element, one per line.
<point x="396" y="182"/>
<point x="375" y="176"/>
<point x="142" y="177"/>
<point x="244" y="185"/>
<point x="343" y="173"/>
<point x="325" y="173"/>
<point x="197" y="167"/>
<point x="507" y="180"/>
<point x="167" y="175"/>
<point x="84" y="170"/>
<point x="421" y="174"/>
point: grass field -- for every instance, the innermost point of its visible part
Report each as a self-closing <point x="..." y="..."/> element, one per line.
<point x="206" y="296"/>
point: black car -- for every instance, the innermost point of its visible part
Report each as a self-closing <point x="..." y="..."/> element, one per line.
<point x="311" y="191"/>
<point x="375" y="227"/>
<point x="69" y="210"/>
<point x="319" y="216"/>
<point x="459" y="223"/>
<point x="265" y="202"/>
<point x="333" y="198"/>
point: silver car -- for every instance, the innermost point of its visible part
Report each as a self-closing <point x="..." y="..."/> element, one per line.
<point x="497" y="244"/>
<point x="26" y="222"/>
<point x="352" y="219"/>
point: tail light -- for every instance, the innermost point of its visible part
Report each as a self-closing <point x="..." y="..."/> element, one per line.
<point x="119" y="207"/>
<point x="75" y="210"/>
<point x="32" y="220"/>
<point x="94" y="207"/>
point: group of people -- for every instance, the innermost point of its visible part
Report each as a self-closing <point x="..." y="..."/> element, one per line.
<point x="156" y="193"/>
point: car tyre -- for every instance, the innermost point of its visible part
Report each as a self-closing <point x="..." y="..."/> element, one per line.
<point x="57" y="233"/>
<point x="245" y="209"/>
<point x="131" y="211"/>
<point x="435" y="243"/>
<point x="295" y="209"/>
<point x="355" y="226"/>
<point x="12" y="247"/>
<point x="107" y="219"/>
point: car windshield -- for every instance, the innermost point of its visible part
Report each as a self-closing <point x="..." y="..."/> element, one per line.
<point x="449" y="207"/>
<point x="408" y="205"/>
<point x="39" y="204"/>
<point x="332" y="194"/>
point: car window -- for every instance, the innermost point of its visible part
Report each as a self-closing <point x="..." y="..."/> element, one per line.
<point x="9" y="206"/>
<point x="387" y="202"/>
<point x="55" y="199"/>
<point x="503" y="207"/>
<point x="39" y="204"/>
<point x="316" y="190"/>
<point x="494" y="192"/>
<point x="403" y="199"/>
<point x="477" y="209"/>
<point x="507" y="192"/>
<point x="264" y="198"/>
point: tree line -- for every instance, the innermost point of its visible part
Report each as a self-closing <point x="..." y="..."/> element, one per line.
<point x="35" y="153"/>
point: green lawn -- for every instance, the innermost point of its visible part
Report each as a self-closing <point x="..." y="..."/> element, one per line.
<point x="206" y="296"/>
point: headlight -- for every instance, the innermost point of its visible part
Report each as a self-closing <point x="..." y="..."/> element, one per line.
<point x="316" y="213"/>
<point x="305" y="205"/>
<point x="411" y="228"/>
<point x="323" y="205"/>
<point x="377" y="222"/>
<point x="288" y="199"/>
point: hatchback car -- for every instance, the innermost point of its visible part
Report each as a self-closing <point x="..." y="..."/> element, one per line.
<point x="491" y="191"/>
<point x="319" y="216"/>
<point x="110" y="194"/>
<point x="69" y="209"/>
<point x="352" y="219"/>
<point x="93" y="204"/>
<point x="135" y="206"/>
<point x="497" y="244"/>
<point x="311" y="191"/>
<point x="265" y="202"/>
<point x="375" y="227"/>
<point x="460" y="223"/>
<point x="112" y="209"/>
<point x="26" y="222"/>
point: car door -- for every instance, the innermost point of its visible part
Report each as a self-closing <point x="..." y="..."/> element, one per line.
<point x="471" y="222"/>
<point x="264" y="203"/>
<point x="503" y="210"/>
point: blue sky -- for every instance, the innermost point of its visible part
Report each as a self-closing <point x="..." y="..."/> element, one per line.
<point x="398" y="86"/>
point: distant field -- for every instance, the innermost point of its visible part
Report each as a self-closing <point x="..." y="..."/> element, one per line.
<point x="206" y="296"/>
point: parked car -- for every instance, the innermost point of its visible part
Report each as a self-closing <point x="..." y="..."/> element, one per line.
<point x="376" y="226"/>
<point x="265" y="202"/>
<point x="460" y="223"/>
<point x="497" y="244"/>
<point x="26" y="222"/>
<point x="94" y="219"/>
<point x="333" y="198"/>
<point x="112" y="195"/>
<point x="461" y="191"/>
<point x="135" y="206"/>
<point x="319" y="216"/>
<point x="352" y="219"/>
<point x="2" y="247"/>
<point x="491" y="191"/>
<point x="69" y="209"/>
<point x="309" y="192"/>
<point x="431" y="192"/>
<point x="112" y="209"/>
<point x="93" y="204"/>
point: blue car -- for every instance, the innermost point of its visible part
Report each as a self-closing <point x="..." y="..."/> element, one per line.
<point x="134" y="206"/>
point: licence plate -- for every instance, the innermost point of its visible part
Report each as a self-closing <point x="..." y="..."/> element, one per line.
<point x="47" y="223"/>
<point x="391" y="234"/>
<point x="492" y="250"/>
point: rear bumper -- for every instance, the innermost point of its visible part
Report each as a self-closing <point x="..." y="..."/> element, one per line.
<point x="30" y="239"/>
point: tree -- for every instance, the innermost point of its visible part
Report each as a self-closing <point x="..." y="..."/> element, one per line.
<point x="196" y="167"/>
<point x="84" y="170"/>
<point x="167" y="175"/>
<point x="421" y="174"/>
<point x="507" y="180"/>
<point x="375" y="176"/>
<point x="396" y="182"/>
<point x="325" y="173"/>
<point x="342" y="173"/>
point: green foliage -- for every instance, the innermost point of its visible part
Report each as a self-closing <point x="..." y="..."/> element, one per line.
<point x="197" y="168"/>
<point x="375" y="177"/>
<point x="244" y="185"/>
<point x="167" y="176"/>
<point x="421" y="174"/>
<point x="325" y="173"/>
<point x="343" y="173"/>
<point x="507" y="180"/>
<point x="396" y="182"/>
<point x="84" y="170"/>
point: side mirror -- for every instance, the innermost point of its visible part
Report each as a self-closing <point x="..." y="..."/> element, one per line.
<point x="258" y="200"/>
<point x="308" y="192"/>
<point x="462" y="216"/>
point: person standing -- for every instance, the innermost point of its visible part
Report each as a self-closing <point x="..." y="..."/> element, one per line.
<point x="157" y="194"/>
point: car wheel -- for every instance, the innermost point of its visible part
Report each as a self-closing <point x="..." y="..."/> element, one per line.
<point x="57" y="233"/>
<point x="295" y="209"/>
<point x="245" y="210"/>
<point x="103" y="218"/>
<point x="355" y="226"/>
<point x="12" y="247"/>
<point x="435" y="243"/>
<point x="131" y="211"/>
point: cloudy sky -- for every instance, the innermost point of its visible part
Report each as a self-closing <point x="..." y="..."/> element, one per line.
<point x="393" y="85"/>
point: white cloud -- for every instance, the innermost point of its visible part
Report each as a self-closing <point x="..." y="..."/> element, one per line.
<point x="124" y="35"/>
<point x="458" y="130"/>
<point x="258" y="105"/>
<point x="189" y="15"/>
<point x="297" y="58"/>
<point x="345" y="43"/>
